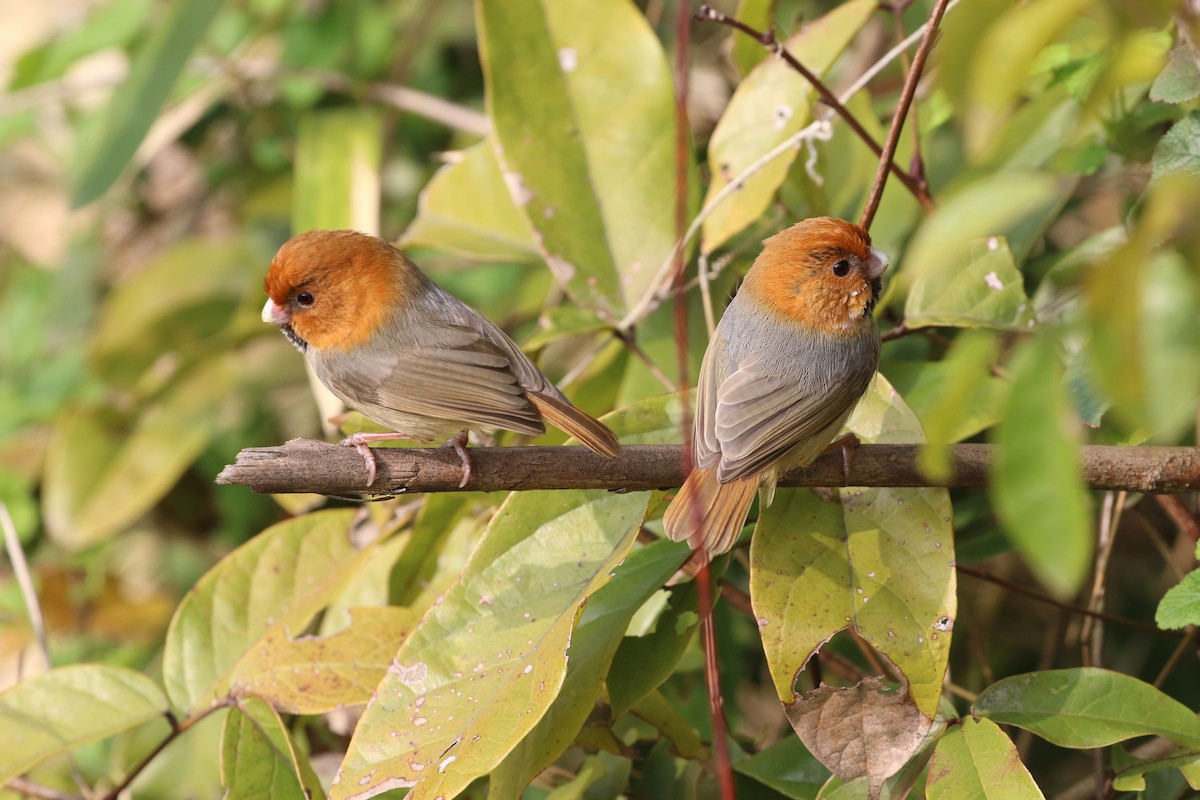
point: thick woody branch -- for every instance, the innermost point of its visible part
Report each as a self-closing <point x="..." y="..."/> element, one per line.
<point x="304" y="465"/>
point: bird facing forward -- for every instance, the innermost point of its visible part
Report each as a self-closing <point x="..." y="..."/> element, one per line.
<point x="391" y="343"/>
<point x="793" y="353"/>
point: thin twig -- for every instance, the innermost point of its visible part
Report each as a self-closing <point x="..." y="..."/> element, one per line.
<point x="1187" y="643"/>
<point x="768" y="40"/>
<point x="906" y="97"/>
<point x="27" y="788"/>
<point x="1184" y="520"/>
<point x="177" y="729"/>
<point x="917" y="165"/>
<point x="16" y="556"/>
<point x="1091" y="634"/>
<point x="1041" y="597"/>
<point x="630" y="342"/>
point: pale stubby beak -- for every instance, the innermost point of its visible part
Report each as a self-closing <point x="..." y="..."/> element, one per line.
<point x="876" y="264"/>
<point x="275" y="315"/>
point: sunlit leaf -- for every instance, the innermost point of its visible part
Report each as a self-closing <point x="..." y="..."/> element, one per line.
<point x="259" y="760"/>
<point x="1087" y="707"/>
<point x="976" y="759"/>
<point x="136" y="102"/>
<point x="270" y="586"/>
<point x="316" y="674"/>
<point x="1180" y="606"/>
<point x="600" y="630"/>
<point x="597" y="181"/>
<point x="986" y="291"/>
<point x="466" y="209"/>
<point x="484" y="664"/>
<point x="878" y="561"/>
<point x="1180" y="79"/>
<point x="1179" y="151"/>
<point x="771" y="104"/>
<point x="643" y="663"/>
<point x="59" y="710"/>
<point x="1037" y="486"/>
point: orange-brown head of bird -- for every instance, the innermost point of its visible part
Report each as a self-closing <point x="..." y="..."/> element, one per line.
<point x="822" y="273"/>
<point x="333" y="289"/>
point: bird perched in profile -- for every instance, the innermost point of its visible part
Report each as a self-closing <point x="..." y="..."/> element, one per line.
<point x="793" y="353"/>
<point x="394" y="345"/>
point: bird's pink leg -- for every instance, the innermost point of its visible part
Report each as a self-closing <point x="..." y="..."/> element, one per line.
<point x="459" y="443"/>
<point x="848" y="443"/>
<point x="359" y="442"/>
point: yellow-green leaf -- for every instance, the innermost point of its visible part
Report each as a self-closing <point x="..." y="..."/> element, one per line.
<point x="975" y="759"/>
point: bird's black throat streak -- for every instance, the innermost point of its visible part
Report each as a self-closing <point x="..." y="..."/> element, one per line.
<point x="876" y="290"/>
<point x="294" y="338"/>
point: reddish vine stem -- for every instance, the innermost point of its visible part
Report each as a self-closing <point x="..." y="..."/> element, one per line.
<point x="767" y="39"/>
<point x="906" y="98"/>
<point x="723" y="763"/>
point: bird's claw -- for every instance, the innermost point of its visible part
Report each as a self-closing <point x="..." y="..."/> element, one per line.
<point x="459" y="443"/>
<point x="368" y="455"/>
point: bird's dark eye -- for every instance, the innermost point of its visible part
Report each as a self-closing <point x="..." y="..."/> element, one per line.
<point x="841" y="268"/>
<point x="305" y="299"/>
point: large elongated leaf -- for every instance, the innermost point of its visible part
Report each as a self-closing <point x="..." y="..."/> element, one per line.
<point x="976" y="759"/>
<point x="1037" y="485"/>
<point x="879" y="561"/>
<point x="337" y="170"/>
<point x="259" y="760"/>
<point x="1087" y="707"/>
<point x="486" y="662"/>
<point x="62" y="709"/>
<point x="137" y="101"/>
<point x="770" y="105"/>
<point x="600" y="630"/>
<point x="596" y="180"/>
<point x="260" y="596"/>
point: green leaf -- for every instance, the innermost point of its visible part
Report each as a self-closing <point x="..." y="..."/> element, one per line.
<point x="466" y="209"/>
<point x="59" y="710"/>
<point x="597" y="180"/>
<point x="1129" y="772"/>
<point x="1087" y="707"/>
<point x="259" y="596"/>
<point x="788" y="768"/>
<point x="1178" y="153"/>
<point x="337" y="170"/>
<point x="96" y="482"/>
<point x="484" y="664"/>
<point x="1180" y="606"/>
<point x="746" y="52"/>
<point x="1170" y="345"/>
<point x="137" y="100"/>
<point x="770" y="105"/>
<point x="600" y="630"/>
<point x="964" y="372"/>
<point x="948" y="243"/>
<point x="1179" y="81"/>
<point x="258" y="759"/>
<point x="975" y="759"/>
<point x="1002" y="60"/>
<point x="643" y="663"/>
<point x="879" y="561"/>
<point x="1037" y="485"/>
<point x="985" y="292"/>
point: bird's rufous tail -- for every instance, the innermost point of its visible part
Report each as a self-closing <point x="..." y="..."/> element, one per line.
<point x="593" y="433"/>
<point x="719" y="508"/>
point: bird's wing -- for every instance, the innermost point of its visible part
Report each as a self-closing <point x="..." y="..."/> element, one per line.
<point x="760" y="417"/>
<point x="458" y="375"/>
